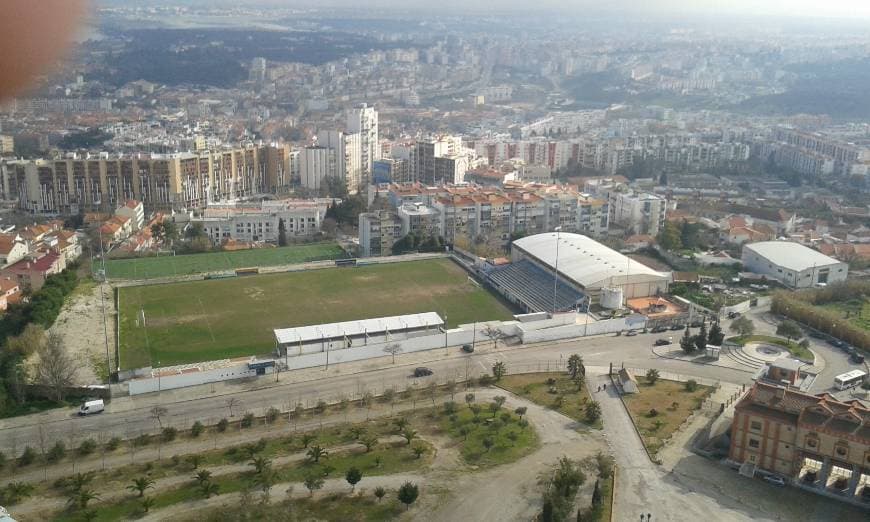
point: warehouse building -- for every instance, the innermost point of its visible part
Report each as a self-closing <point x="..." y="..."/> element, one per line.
<point x="586" y="269"/>
<point x="793" y="264"/>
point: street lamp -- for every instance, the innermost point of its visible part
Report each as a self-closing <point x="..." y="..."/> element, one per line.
<point x="556" y="269"/>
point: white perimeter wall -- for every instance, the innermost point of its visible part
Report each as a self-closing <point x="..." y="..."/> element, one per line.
<point x="465" y="334"/>
<point x="562" y="326"/>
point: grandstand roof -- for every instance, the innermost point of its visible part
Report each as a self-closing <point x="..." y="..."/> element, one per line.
<point x="586" y="261"/>
<point x="352" y="328"/>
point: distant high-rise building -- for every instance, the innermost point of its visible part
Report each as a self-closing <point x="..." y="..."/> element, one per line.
<point x="316" y="164"/>
<point x="257" y="72"/>
<point x="364" y="120"/>
<point x="348" y="156"/>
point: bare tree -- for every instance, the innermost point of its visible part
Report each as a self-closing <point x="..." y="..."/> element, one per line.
<point x="493" y="334"/>
<point x="393" y="349"/>
<point x="157" y="412"/>
<point x="56" y="369"/>
<point x="233" y="402"/>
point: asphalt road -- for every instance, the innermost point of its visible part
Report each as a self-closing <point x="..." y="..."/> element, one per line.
<point x="130" y="416"/>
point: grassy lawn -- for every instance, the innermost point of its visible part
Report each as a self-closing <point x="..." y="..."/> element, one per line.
<point x="672" y="403"/>
<point x="393" y="458"/>
<point x="511" y="438"/>
<point x="793" y="347"/>
<point x="338" y="506"/>
<point x="603" y="512"/>
<point x="151" y="267"/>
<point x="207" y="320"/>
<point x="856" y="311"/>
<point x="566" y="399"/>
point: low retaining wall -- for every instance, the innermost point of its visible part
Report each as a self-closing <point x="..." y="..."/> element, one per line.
<point x="529" y="333"/>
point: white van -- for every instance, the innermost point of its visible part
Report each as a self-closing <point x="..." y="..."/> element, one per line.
<point x="92" y="407"/>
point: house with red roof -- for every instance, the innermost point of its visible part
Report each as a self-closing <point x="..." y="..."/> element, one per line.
<point x="10" y="292"/>
<point x="31" y="273"/>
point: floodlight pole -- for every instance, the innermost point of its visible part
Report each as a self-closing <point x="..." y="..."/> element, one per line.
<point x="556" y="269"/>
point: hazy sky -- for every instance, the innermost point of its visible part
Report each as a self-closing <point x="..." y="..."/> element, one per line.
<point x="825" y="8"/>
<point x="812" y="8"/>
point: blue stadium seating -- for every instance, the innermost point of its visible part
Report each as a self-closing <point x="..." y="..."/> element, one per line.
<point x="532" y="286"/>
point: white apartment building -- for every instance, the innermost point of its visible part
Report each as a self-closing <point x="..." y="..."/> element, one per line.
<point x="348" y="156"/>
<point x="377" y="232"/>
<point x="302" y="218"/>
<point x="641" y="213"/>
<point x="363" y="120"/>
<point x="135" y="211"/>
<point x="316" y="163"/>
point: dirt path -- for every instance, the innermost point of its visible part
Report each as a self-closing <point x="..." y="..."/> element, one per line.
<point x="80" y="325"/>
<point x="511" y="491"/>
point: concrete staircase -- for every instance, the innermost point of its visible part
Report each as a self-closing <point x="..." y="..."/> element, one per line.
<point x="738" y="355"/>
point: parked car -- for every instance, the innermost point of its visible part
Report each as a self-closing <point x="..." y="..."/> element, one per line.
<point x="467" y="348"/>
<point x="838" y="343"/>
<point x="678" y="327"/>
<point x="92" y="407"/>
<point x="422" y="372"/>
<point x="631" y="333"/>
<point x="659" y="329"/>
<point x="662" y="342"/>
<point x="857" y="358"/>
<point x="733" y="315"/>
<point x="775" y="480"/>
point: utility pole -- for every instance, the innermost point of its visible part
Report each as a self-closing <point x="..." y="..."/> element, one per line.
<point x="103" y="302"/>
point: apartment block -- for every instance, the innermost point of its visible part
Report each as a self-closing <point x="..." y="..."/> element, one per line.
<point x="378" y="231"/>
<point x="261" y="222"/>
<point x="640" y="213"/>
<point x="101" y="183"/>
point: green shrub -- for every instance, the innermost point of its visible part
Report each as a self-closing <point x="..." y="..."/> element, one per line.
<point x="272" y="414"/>
<point x="169" y="433"/>
<point x="57" y="452"/>
<point x="142" y="440"/>
<point x="113" y="444"/>
<point x="222" y="425"/>
<point x="27" y="457"/>
<point x="691" y="385"/>
<point x="87" y="447"/>
<point x="197" y="429"/>
<point x="247" y="420"/>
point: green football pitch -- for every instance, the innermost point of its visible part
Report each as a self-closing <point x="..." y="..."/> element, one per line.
<point x="215" y="319"/>
<point x="167" y="266"/>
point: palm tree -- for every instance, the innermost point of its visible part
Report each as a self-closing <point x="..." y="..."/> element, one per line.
<point x="380" y="492"/>
<point x="78" y="481"/>
<point x="419" y="451"/>
<point x="140" y="485"/>
<point x="147" y="503"/>
<point x="401" y="423"/>
<point x="202" y="476"/>
<point x="194" y="461"/>
<point x="316" y="452"/>
<point x="261" y="464"/>
<point x="308" y="438"/>
<point x="575" y="365"/>
<point x="82" y="497"/>
<point x="409" y="434"/>
<point x="469" y="398"/>
<point x="209" y="488"/>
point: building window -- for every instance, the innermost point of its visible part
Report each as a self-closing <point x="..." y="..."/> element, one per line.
<point x="755" y="425"/>
<point x="753" y="443"/>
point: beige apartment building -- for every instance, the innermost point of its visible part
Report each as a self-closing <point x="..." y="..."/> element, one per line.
<point x="93" y="183"/>
<point x="818" y="442"/>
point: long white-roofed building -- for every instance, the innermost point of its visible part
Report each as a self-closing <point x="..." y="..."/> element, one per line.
<point x="793" y="264"/>
<point x="584" y="267"/>
<point x="347" y="334"/>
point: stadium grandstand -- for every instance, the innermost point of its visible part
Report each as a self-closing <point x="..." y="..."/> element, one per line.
<point x="584" y="268"/>
<point x="530" y="287"/>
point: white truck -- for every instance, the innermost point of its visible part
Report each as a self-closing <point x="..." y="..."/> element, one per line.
<point x="92" y="407"/>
